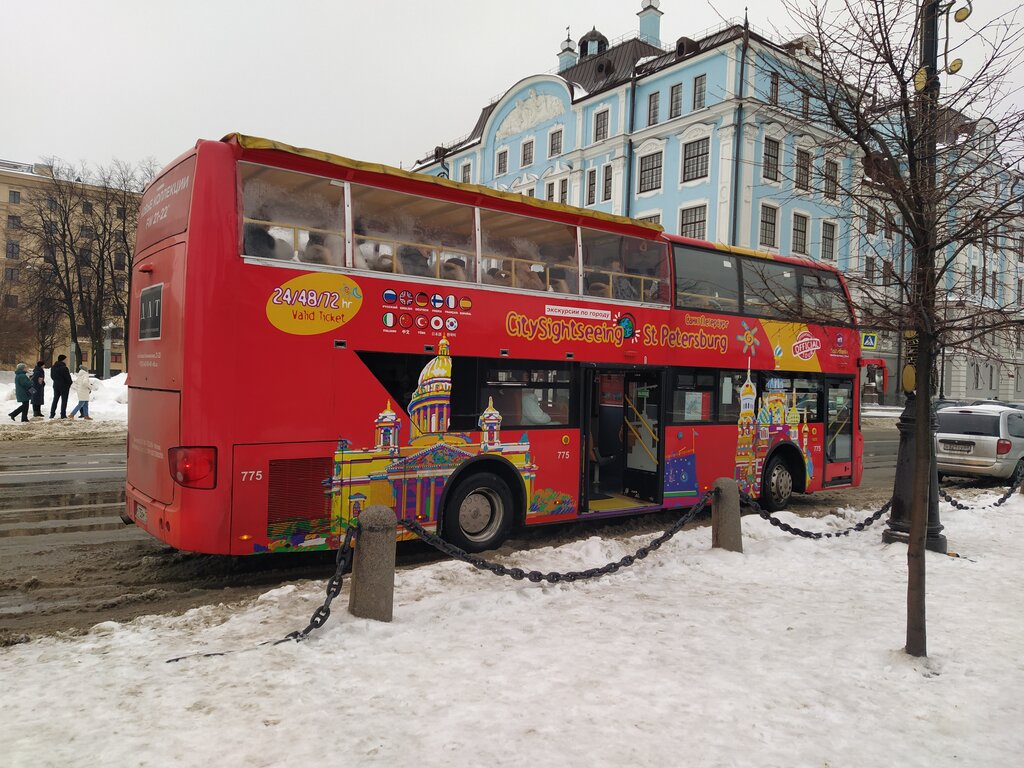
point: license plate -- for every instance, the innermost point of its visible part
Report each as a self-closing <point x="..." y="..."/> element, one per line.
<point x="957" y="447"/>
<point x="140" y="513"/>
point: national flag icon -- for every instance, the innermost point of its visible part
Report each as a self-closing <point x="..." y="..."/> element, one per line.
<point x="437" y="322"/>
<point x="389" y="319"/>
<point x="451" y="323"/>
<point x="405" y="298"/>
<point x="405" y="320"/>
<point x="421" y="321"/>
<point x="437" y="301"/>
<point x="466" y="303"/>
<point x="451" y="301"/>
<point x="422" y="299"/>
<point x="390" y="296"/>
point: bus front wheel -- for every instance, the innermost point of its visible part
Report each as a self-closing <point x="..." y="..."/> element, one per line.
<point x="777" y="485"/>
<point x="478" y="514"/>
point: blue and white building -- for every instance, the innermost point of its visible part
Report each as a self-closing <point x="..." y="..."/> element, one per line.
<point x="701" y="135"/>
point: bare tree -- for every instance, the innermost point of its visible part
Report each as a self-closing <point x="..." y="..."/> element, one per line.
<point x="81" y="227"/>
<point x="942" y="181"/>
<point x="119" y="189"/>
<point x="57" y="244"/>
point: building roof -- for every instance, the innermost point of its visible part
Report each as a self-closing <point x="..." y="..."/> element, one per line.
<point x="611" y="68"/>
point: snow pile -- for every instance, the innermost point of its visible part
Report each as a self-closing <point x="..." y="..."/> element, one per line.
<point x="108" y="403"/>
<point x="787" y="655"/>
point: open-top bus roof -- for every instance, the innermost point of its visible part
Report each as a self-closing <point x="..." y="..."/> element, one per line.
<point x="256" y="143"/>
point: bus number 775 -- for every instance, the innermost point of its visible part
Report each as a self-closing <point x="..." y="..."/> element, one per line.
<point x="251" y="474"/>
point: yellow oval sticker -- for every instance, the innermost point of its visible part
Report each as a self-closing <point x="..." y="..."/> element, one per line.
<point x="316" y="303"/>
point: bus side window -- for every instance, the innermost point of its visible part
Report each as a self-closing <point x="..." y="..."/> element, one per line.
<point x="289" y="207"/>
<point x="692" y="396"/>
<point x="730" y="388"/>
<point x="527" y="253"/>
<point x="706" y="279"/>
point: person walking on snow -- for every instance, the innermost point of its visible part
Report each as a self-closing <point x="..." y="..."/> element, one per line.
<point x="22" y="384"/>
<point x="39" y="382"/>
<point x="61" y="378"/>
<point x="83" y="388"/>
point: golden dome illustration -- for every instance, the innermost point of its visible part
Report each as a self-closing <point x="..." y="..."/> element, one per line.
<point x="438" y="368"/>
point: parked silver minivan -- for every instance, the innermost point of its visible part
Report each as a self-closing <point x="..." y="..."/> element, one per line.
<point x="980" y="440"/>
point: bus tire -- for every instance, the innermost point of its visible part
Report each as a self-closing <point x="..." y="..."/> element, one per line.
<point x="478" y="514"/>
<point x="776" y="484"/>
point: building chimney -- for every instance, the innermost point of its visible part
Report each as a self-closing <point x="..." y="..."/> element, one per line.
<point x="567" y="56"/>
<point x="650" y="22"/>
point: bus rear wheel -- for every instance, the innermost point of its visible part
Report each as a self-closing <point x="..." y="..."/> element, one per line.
<point x="777" y="485"/>
<point x="478" y="514"/>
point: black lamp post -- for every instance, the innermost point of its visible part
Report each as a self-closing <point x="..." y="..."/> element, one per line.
<point x="926" y="83"/>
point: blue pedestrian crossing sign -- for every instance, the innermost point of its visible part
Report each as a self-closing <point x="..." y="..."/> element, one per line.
<point x="868" y="340"/>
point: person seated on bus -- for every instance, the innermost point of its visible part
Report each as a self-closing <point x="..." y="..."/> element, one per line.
<point x="562" y="279"/>
<point x="413" y="261"/>
<point x="597" y="286"/>
<point x="316" y="250"/>
<point x="258" y="241"/>
<point x="531" y="409"/>
<point x="623" y="287"/>
<point x="283" y="250"/>
<point x="498" y="276"/>
<point x="454" y="269"/>
<point x="523" y="275"/>
<point x="364" y="255"/>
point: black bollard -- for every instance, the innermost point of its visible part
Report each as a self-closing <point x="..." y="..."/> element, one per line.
<point x="898" y="529"/>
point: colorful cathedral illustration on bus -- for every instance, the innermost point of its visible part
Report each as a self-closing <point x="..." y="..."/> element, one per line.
<point x="762" y="424"/>
<point x="410" y="477"/>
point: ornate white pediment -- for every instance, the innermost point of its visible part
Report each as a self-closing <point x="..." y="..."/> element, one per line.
<point x="529" y="112"/>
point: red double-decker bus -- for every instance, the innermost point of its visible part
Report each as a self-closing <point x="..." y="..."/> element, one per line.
<point x="312" y="335"/>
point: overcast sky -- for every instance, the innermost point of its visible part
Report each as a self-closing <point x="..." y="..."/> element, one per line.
<point x="377" y="80"/>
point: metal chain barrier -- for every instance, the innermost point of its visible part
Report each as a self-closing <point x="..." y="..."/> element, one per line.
<point x="320" y="615"/>
<point x="749" y="501"/>
<point x="1001" y="500"/>
<point x="554" y="578"/>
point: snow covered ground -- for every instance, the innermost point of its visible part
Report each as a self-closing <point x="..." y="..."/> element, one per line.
<point x="787" y="655"/>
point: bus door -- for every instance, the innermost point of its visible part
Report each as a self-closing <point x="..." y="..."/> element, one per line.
<point x="838" y="431"/>
<point x="643" y="449"/>
<point x="622" y="438"/>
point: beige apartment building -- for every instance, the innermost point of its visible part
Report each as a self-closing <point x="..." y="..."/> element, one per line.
<point x="20" y="185"/>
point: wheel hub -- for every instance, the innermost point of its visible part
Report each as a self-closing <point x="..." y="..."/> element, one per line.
<point x="476" y="512"/>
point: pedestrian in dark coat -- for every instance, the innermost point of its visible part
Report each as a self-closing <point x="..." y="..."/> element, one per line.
<point x="39" y="382"/>
<point x="22" y="384"/>
<point x="61" y="378"/>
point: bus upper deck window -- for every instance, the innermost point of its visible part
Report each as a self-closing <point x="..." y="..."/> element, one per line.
<point x="412" y="235"/>
<point x="289" y="215"/>
<point x="527" y="253"/>
<point x="706" y="279"/>
<point x="622" y="267"/>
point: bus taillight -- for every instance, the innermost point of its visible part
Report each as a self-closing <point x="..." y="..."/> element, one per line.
<point x="193" y="466"/>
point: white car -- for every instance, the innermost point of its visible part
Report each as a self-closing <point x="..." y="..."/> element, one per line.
<point x="980" y="441"/>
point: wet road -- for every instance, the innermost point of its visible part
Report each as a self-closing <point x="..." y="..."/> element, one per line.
<point x="67" y="560"/>
<point x="61" y="487"/>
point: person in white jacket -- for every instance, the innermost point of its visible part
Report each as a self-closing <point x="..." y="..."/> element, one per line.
<point x="83" y="388"/>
